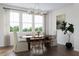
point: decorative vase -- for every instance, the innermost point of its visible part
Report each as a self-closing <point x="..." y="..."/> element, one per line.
<point x="68" y="45"/>
<point x="38" y="33"/>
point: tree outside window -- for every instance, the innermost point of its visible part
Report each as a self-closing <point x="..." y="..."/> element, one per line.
<point x="27" y="29"/>
<point x="14" y="29"/>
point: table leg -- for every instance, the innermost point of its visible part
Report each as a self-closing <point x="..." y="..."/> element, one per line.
<point x="28" y="46"/>
<point x="28" y="41"/>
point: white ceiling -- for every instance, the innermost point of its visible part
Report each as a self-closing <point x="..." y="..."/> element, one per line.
<point x="41" y="6"/>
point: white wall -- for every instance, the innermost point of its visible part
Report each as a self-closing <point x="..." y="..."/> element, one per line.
<point x="68" y="11"/>
<point x="72" y="16"/>
<point x="1" y="27"/>
<point x="76" y="24"/>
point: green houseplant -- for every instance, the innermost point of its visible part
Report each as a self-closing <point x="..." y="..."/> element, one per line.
<point x="67" y="30"/>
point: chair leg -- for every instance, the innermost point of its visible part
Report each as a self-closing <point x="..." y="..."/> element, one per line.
<point x="42" y="46"/>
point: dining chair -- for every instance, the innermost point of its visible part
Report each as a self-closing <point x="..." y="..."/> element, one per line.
<point x="36" y="47"/>
<point x="19" y="46"/>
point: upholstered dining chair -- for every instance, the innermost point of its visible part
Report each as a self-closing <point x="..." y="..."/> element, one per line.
<point x="19" y="46"/>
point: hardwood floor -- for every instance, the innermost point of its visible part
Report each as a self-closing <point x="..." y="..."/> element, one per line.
<point x="5" y="50"/>
<point x="60" y="50"/>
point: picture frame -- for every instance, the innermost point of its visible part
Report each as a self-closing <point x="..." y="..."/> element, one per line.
<point x="59" y="20"/>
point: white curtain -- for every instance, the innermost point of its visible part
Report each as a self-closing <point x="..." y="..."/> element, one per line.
<point x="6" y="28"/>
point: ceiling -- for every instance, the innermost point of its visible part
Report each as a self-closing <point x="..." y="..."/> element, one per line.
<point x="41" y="6"/>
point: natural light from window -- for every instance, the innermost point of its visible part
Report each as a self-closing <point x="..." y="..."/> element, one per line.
<point x="26" y="23"/>
<point x="14" y="21"/>
<point x="38" y="23"/>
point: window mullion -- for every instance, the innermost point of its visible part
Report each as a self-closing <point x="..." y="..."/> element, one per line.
<point x="20" y="22"/>
<point x="33" y="25"/>
<point x="44" y="24"/>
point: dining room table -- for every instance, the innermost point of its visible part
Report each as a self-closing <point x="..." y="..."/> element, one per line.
<point x="30" y="39"/>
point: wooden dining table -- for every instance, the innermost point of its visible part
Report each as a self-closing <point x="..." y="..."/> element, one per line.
<point x="36" y="39"/>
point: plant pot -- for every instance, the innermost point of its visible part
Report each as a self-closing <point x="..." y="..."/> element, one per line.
<point x="68" y="45"/>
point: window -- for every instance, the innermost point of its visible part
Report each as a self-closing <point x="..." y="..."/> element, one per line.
<point x="26" y="22"/>
<point x="21" y="21"/>
<point x="38" y="23"/>
<point x="14" y="21"/>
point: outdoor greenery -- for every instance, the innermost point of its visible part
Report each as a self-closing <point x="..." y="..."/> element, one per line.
<point x="38" y="29"/>
<point x="16" y="29"/>
<point x="27" y="29"/>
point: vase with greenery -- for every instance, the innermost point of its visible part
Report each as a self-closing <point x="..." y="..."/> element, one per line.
<point x="67" y="30"/>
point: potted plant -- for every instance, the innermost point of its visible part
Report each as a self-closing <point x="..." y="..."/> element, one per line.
<point x="68" y="30"/>
<point x="38" y="33"/>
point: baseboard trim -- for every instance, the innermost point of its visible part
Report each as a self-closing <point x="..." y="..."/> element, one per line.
<point x="76" y="50"/>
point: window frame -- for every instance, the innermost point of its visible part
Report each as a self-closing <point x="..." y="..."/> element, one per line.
<point x="42" y="24"/>
<point x="19" y="19"/>
<point x="25" y="22"/>
<point x="33" y="21"/>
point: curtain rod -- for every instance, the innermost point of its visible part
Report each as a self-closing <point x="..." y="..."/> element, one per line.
<point x="14" y="9"/>
<point x="31" y="11"/>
